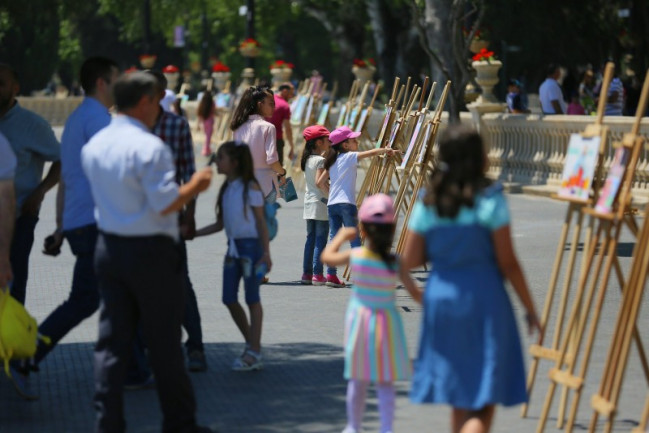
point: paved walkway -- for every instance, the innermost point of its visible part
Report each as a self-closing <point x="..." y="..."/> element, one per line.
<point x="301" y="388"/>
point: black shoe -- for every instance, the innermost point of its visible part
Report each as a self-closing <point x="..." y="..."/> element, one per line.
<point x="196" y="361"/>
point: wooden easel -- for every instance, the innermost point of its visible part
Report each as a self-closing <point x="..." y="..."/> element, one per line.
<point x="423" y="164"/>
<point x="325" y="110"/>
<point x="603" y="250"/>
<point x="347" y="106"/>
<point x="538" y="351"/>
<point x="605" y="401"/>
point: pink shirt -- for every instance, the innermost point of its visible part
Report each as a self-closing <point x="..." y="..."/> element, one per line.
<point x="282" y="112"/>
<point x="260" y="136"/>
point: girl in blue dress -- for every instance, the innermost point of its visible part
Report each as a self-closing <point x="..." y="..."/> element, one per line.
<point x="469" y="352"/>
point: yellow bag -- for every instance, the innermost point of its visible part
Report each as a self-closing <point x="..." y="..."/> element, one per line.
<point x="18" y="330"/>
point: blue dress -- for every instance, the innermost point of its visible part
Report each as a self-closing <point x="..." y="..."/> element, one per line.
<point x="469" y="351"/>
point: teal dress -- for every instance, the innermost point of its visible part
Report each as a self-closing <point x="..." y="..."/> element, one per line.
<point x="469" y="351"/>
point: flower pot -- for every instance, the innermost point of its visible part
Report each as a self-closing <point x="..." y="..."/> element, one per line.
<point x="487" y="78"/>
<point x="363" y="74"/>
<point x="477" y="45"/>
<point x="280" y="75"/>
<point x="220" y="79"/>
<point x="249" y="51"/>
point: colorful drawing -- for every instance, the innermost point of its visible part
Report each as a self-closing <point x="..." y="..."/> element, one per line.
<point x="298" y="113"/>
<point x="342" y="116"/>
<point x="413" y="140"/>
<point x="353" y="116"/>
<point x="384" y="127"/>
<point x="425" y="143"/>
<point x="324" y="113"/>
<point x="579" y="169"/>
<point x="223" y="100"/>
<point x="361" y="121"/>
<point x="309" y="110"/>
<point x="393" y="133"/>
<point x="613" y="181"/>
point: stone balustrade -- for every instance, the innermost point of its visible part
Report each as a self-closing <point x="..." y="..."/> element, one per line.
<point x="54" y="110"/>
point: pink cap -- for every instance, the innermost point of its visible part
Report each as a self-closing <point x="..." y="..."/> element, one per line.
<point x="315" y="131"/>
<point x="377" y="208"/>
<point x="341" y="134"/>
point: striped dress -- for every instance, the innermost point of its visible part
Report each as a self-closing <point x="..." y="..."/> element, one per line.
<point x="375" y="343"/>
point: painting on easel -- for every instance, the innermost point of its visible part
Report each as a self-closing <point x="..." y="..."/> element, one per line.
<point x="384" y="127"/>
<point x="413" y="140"/>
<point x="579" y="169"/>
<point x="613" y="181"/>
<point x="324" y="113"/>
<point x="362" y="120"/>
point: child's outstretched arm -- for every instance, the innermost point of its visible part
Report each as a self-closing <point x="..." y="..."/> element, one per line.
<point x="374" y="152"/>
<point x="413" y="254"/>
<point x="209" y="229"/>
<point x="408" y="282"/>
<point x="331" y="255"/>
<point x="511" y="269"/>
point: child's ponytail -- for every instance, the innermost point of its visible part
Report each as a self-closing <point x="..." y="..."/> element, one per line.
<point x="309" y="147"/>
<point x="381" y="237"/>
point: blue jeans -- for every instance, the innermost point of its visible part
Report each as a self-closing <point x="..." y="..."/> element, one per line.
<point x="21" y="247"/>
<point x="235" y="268"/>
<point x="316" y="239"/>
<point x="342" y="214"/>
<point x="83" y="300"/>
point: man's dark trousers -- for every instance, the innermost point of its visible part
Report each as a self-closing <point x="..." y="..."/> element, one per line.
<point x="83" y="300"/>
<point x="140" y="281"/>
<point x="21" y="247"/>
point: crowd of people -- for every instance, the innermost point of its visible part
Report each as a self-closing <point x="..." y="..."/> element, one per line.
<point x="125" y="204"/>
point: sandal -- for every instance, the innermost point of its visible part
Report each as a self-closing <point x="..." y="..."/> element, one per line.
<point x="249" y="361"/>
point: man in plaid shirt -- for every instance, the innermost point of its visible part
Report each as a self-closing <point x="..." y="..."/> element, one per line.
<point x="174" y="130"/>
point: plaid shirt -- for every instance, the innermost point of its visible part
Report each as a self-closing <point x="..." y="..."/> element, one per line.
<point x="174" y="131"/>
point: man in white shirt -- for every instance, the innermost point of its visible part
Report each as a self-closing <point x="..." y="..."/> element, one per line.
<point x="550" y="92"/>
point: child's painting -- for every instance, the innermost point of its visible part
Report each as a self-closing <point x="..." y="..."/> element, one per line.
<point x="424" y="143"/>
<point x="579" y="169"/>
<point x="413" y="141"/>
<point x="324" y="114"/>
<point x="361" y="121"/>
<point x="309" y="111"/>
<point x="223" y="100"/>
<point x="353" y="117"/>
<point x="342" y="116"/>
<point x="393" y="133"/>
<point x="298" y="113"/>
<point x="384" y="127"/>
<point x="613" y="181"/>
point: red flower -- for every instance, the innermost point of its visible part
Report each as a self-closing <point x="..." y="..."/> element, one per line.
<point x="170" y="69"/>
<point x="250" y="42"/>
<point x="483" y="54"/>
<point x="281" y="64"/>
<point x="220" y="67"/>
<point x="364" y="63"/>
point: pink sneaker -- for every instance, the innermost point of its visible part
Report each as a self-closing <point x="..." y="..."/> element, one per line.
<point x="333" y="281"/>
<point x="318" y="280"/>
<point x="306" y="279"/>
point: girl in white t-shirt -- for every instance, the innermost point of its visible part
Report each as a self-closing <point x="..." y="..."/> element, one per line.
<point x="240" y="211"/>
<point x="315" y="203"/>
<point x="341" y="164"/>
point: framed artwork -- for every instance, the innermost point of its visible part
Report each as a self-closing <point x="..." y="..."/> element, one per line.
<point x="223" y="100"/>
<point x="298" y="114"/>
<point x="341" y="116"/>
<point x="613" y="181"/>
<point x="361" y="121"/>
<point x="353" y="116"/>
<point x="309" y="110"/>
<point x="413" y="140"/>
<point x="579" y="169"/>
<point x="425" y="142"/>
<point x="324" y="113"/>
<point x="393" y="133"/>
<point x="384" y="127"/>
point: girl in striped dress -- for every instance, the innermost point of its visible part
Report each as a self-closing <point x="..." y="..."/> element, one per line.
<point x="375" y="343"/>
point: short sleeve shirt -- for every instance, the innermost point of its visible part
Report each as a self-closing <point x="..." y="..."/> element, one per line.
<point x="342" y="176"/>
<point x="7" y="160"/>
<point x="238" y="217"/>
<point x="260" y="137"/>
<point x="131" y="174"/>
<point x="314" y="206"/>
<point x="89" y="118"/>
<point x="548" y="92"/>
<point x="33" y="142"/>
<point x="490" y="210"/>
<point x="282" y="112"/>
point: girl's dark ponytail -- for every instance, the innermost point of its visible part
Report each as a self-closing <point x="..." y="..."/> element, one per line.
<point x="238" y="152"/>
<point x="381" y="237"/>
<point x="309" y="147"/>
<point x="332" y="155"/>
<point x="459" y="173"/>
<point x="248" y="105"/>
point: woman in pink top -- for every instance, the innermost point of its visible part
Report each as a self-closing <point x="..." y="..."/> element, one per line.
<point x="250" y="127"/>
<point x="206" y="112"/>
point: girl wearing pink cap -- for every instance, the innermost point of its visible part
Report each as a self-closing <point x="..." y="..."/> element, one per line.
<point x="341" y="165"/>
<point x="315" y="203"/>
<point x="375" y="343"/>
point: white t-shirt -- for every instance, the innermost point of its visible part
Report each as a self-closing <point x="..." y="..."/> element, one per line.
<point x="314" y="208"/>
<point x="239" y="224"/>
<point x="342" y="175"/>
<point x="548" y="92"/>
